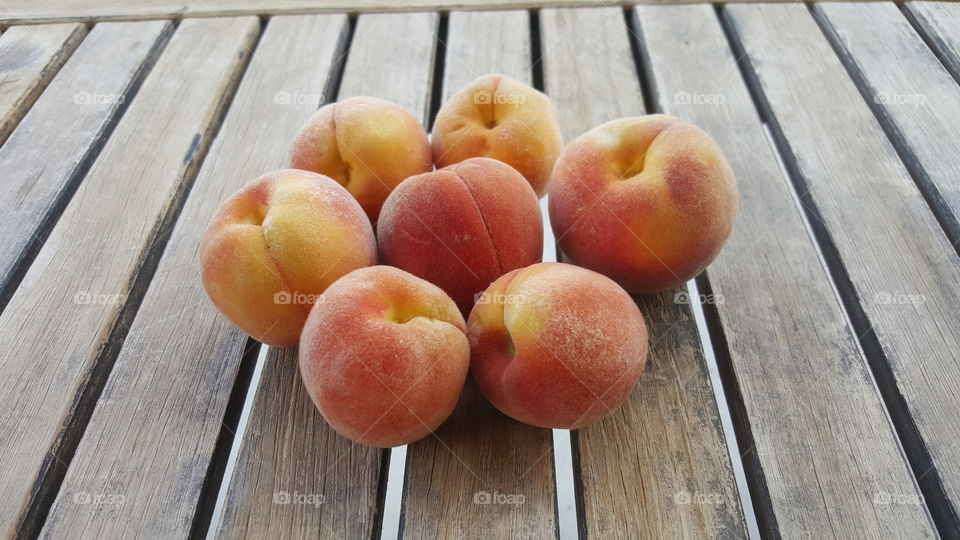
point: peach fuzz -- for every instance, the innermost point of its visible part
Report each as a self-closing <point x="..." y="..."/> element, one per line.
<point x="556" y="346"/>
<point x="278" y="243"/>
<point x="648" y="201"/>
<point x="500" y="118"/>
<point x="366" y="144"/>
<point x="384" y="356"/>
<point x="462" y="227"/>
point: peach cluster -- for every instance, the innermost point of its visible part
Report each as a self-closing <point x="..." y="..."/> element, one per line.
<point x="638" y="204"/>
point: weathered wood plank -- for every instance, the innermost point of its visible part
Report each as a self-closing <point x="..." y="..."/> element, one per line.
<point x="29" y="57"/>
<point x="645" y="469"/>
<point x="454" y="479"/>
<point x="295" y="477"/>
<point x="289" y="457"/>
<point x="28" y="11"/>
<point x="45" y="156"/>
<point x="135" y="442"/>
<point x="821" y="450"/>
<point x="939" y="23"/>
<point x="898" y="272"/>
<point x="403" y="76"/>
<point x="913" y="96"/>
<point x="482" y="42"/>
<point x="68" y="316"/>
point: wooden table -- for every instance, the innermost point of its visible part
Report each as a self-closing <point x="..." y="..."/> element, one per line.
<point x="131" y="409"/>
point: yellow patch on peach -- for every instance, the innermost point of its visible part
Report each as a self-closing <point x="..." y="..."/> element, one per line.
<point x="275" y="245"/>
<point x="366" y="144"/>
<point x="503" y="119"/>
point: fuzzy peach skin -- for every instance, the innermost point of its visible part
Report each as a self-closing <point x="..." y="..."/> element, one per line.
<point x="500" y="118"/>
<point x="384" y="356"/>
<point x="648" y="201"/>
<point x="462" y="227"/>
<point x="278" y="243"/>
<point x="366" y="144"/>
<point x="556" y="346"/>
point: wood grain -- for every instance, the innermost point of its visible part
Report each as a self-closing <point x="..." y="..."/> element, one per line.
<point x="30" y="11"/>
<point x="295" y="477"/>
<point x="401" y="49"/>
<point x="289" y="456"/>
<point x="68" y="316"/>
<point x="939" y="23"/>
<point x="154" y="446"/>
<point x="658" y="467"/>
<point x="456" y="480"/>
<point x="913" y="96"/>
<point x="897" y="270"/>
<point x="482" y="42"/>
<point x="29" y="57"/>
<point x="820" y="448"/>
<point x="46" y="156"/>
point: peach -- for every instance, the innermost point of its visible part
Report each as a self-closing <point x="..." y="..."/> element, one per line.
<point x="278" y="243"/>
<point x="384" y="356"/>
<point x="555" y="345"/>
<point x="648" y="201"/>
<point x="500" y="118"/>
<point x="366" y="144"/>
<point x="462" y="227"/>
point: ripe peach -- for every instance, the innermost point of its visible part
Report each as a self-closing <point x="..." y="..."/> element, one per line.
<point x="384" y="356"/>
<point x="366" y="144"/>
<point x="648" y="201"/>
<point x="500" y="118"/>
<point x="555" y="345"/>
<point x="462" y="227"/>
<point x="275" y="245"/>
